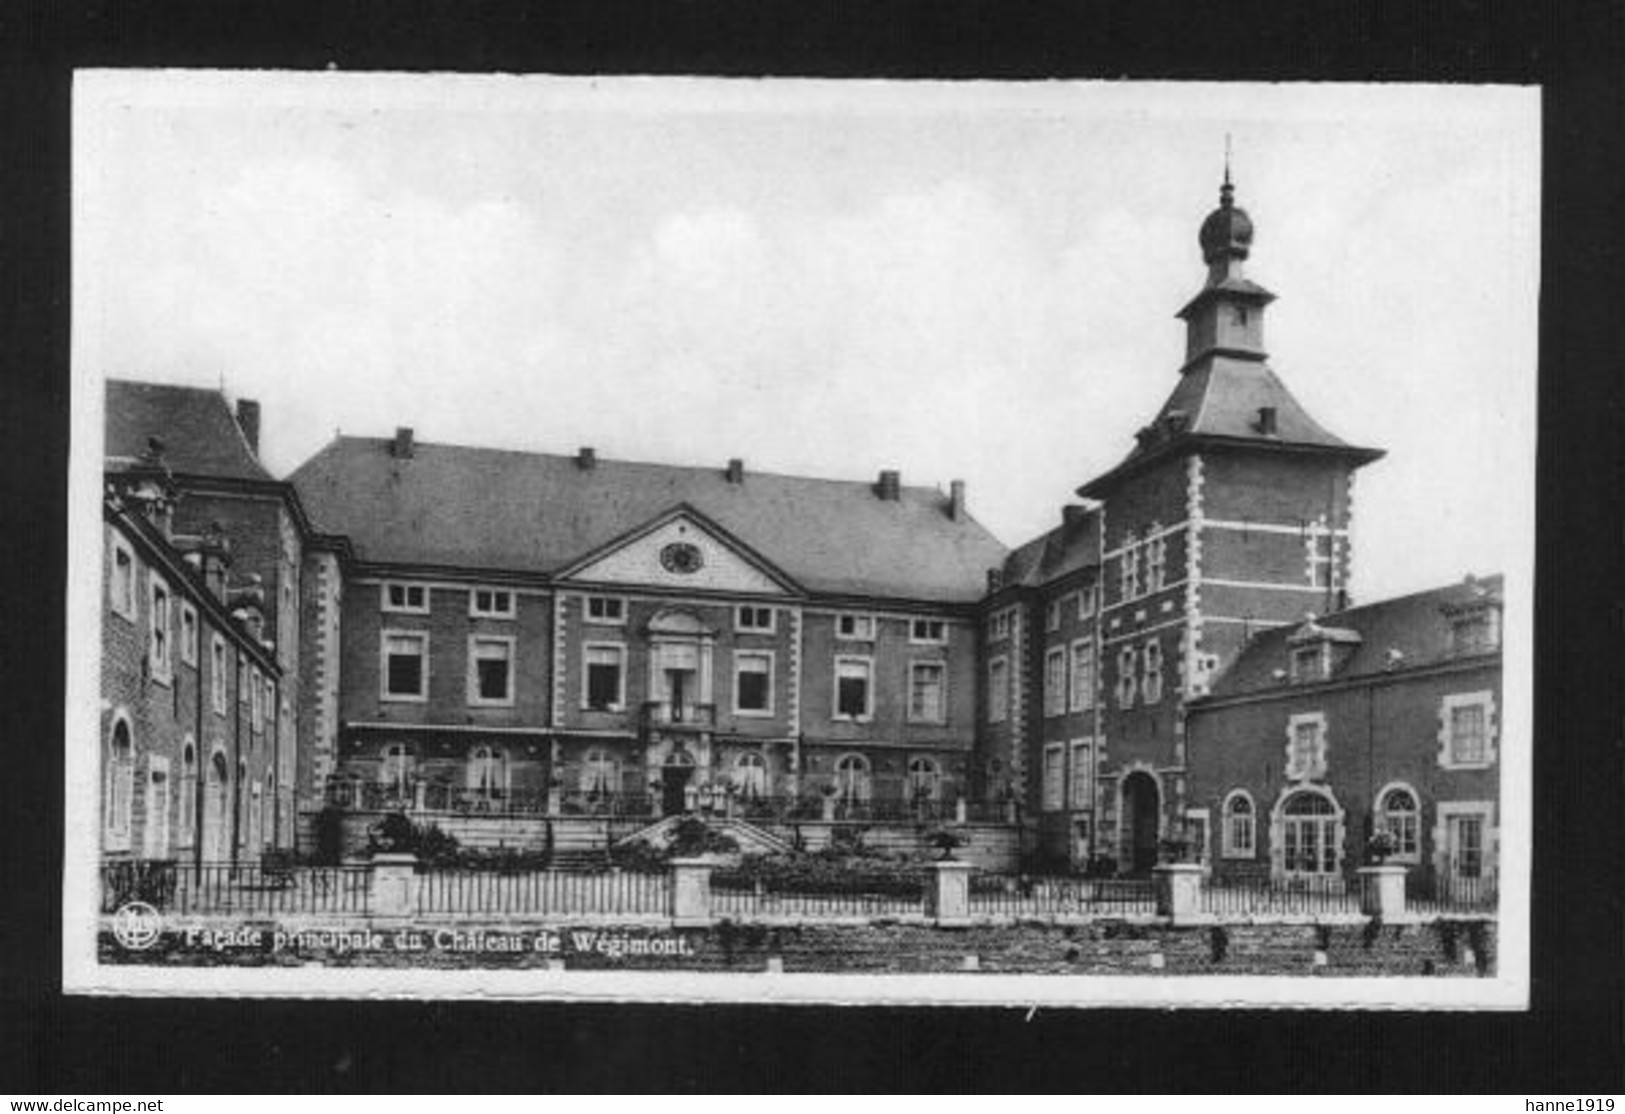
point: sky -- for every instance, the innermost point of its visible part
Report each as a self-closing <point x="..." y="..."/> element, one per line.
<point x="970" y="281"/>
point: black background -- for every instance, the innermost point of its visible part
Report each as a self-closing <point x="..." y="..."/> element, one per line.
<point x="1570" y="1043"/>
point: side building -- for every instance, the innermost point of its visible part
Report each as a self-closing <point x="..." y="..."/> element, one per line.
<point x="1377" y="719"/>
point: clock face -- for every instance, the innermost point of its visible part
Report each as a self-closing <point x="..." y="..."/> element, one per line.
<point x="681" y="557"/>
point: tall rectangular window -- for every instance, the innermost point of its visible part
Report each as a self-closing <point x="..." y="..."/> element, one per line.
<point x="606" y="675"/>
<point x="159" y="646"/>
<point x="406" y="666"/>
<point x="256" y="701"/>
<point x="1151" y="660"/>
<point x="1052" y="616"/>
<point x="1156" y="558"/>
<point x="926" y="680"/>
<point x="1055" y="681"/>
<point x="1083" y="774"/>
<point x="123" y="586"/>
<point x="753" y="682"/>
<point x="490" y="679"/>
<point x="189" y="633"/>
<point x="1128" y="568"/>
<point x="1306" y="747"/>
<point x="217" y="674"/>
<point x="1054" y="775"/>
<point x="1083" y="675"/>
<point x="998" y="690"/>
<point x="1086" y="601"/>
<point x="1125" y="677"/>
<point x="853" y="688"/>
<point x="1467" y="733"/>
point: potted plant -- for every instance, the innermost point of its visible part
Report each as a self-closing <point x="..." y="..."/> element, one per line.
<point x="1379" y="847"/>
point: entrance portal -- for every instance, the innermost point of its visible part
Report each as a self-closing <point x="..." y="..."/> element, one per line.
<point x="674" y="778"/>
<point x="1140" y="807"/>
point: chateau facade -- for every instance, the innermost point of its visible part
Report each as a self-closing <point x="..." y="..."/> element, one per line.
<point x="467" y="632"/>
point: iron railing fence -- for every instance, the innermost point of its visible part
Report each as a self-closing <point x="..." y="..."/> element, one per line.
<point x="745" y="902"/>
<point x="470" y="892"/>
<point x="1018" y="895"/>
<point x="243" y="889"/>
<point x="1331" y="894"/>
<point x="1451" y="893"/>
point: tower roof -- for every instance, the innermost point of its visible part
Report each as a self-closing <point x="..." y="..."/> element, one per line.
<point x="1227" y="233"/>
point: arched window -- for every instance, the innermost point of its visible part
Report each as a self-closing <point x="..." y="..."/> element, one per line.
<point x="750" y="774"/>
<point x="216" y="807"/>
<point x="1309" y="823"/>
<point x="1240" y="826"/>
<point x="118" y="791"/>
<point x="598" y="772"/>
<point x="488" y="774"/>
<point x="1399" y="815"/>
<point x="924" y="778"/>
<point x="852" y="777"/>
<point x="188" y="795"/>
<point x="395" y="771"/>
<point x="269" y="824"/>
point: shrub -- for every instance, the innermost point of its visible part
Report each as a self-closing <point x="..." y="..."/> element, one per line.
<point x="824" y="873"/>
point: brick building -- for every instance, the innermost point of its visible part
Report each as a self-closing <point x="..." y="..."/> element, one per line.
<point x="480" y="633"/>
<point x="1382" y="718"/>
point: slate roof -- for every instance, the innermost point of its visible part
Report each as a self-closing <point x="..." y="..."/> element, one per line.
<point x="492" y="509"/>
<point x="1220" y="398"/>
<point x="1414" y="625"/>
<point x="1055" y="553"/>
<point x="201" y="436"/>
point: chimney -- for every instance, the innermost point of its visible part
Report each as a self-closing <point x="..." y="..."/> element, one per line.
<point x="1266" y="421"/>
<point x="1072" y="514"/>
<point x="736" y="471"/>
<point x="248" y="420"/>
<point x="956" y="500"/>
<point x="586" y="459"/>
<point x="403" y="447"/>
<point x="890" y="485"/>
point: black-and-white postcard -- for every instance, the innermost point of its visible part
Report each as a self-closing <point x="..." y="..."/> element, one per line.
<point x="801" y="540"/>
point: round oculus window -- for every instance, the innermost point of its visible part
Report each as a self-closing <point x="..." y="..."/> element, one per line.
<point x="681" y="557"/>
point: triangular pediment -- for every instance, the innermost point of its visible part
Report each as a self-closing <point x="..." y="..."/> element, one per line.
<point x="681" y="549"/>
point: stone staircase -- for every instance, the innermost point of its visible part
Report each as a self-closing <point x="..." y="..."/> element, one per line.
<point x="751" y="839"/>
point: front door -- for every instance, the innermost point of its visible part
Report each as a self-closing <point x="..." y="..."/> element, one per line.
<point x="1141" y="805"/>
<point x="674" y="788"/>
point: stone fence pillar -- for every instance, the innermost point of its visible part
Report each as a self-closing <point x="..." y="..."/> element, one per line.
<point x="690" y="892"/>
<point x="1177" y="888"/>
<point x="948" y="894"/>
<point x="1382" y="891"/>
<point x="394" y="884"/>
<point x="960" y="811"/>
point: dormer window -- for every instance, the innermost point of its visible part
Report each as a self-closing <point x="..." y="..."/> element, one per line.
<point x="1475" y="625"/>
<point x="1309" y="663"/>
<point x="1315" y="652"/>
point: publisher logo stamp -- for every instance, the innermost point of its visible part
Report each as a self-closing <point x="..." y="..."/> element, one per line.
<point x="136" y="925"/>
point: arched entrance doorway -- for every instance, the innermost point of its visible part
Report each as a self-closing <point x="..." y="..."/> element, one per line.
<point x="1141" y="806"/>
<point x="216" y="807"/>
<point x="674" y="778"/>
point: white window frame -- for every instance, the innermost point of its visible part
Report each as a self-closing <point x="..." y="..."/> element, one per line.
<point x="422" y="638"/>
<point x="160" y="629"/>
<point x="125" y="607"/>
<point x="1081" y="796"/>
<point x="1156" y="560"/>
<point x="619" y="648"/>
<point x="256" y="701"/>
<point x="186" y="829"/>
<point x="1128" y="664"/>
<point x="1002" y="624"/>
<point x="1307" y="663"/>
<point x="1128" y="569"/>
<point x="1314" y="768"/>
<point x="998" y="696"/>
<point x="1444" y="848"/>
<point x="1088" y="601"/>
<point x="190" y="634"/>
<point x="616" y="620"/>
<point x="406" y="607"/>
<point x="1055" y="681"/>
<point x="750" y="766"/>
<point x="941" y="666"/>
<point x="1414" y="855"/>
<point x="218" y="675"/>
<point x="739" y="657"/>
<point x="1278" y="825"/>
<point x="397" y="766"/>
<point x="863" y="627"/>
<point x="1053" y="778"/>
<point x="118" y="788"/>
<point x="1315" y="560"/>
<point x="1201" y="820"/>
<point x="868" y="663"/>
<point x="489" y="775"/>
<point x="915" y="638"/>
<point x="1082" y="689"/>
<point x="1229" y="846"/>
<point x="1151" y="665"/>
<point x="1484" y="698"/>
<point x="854" y="777"/>
<point x="475" y="700"/>
<point x="747" y="614"/>
<point x="475" y="611"/>
<point x="156" y="833"/>
<point x="1052" y="616"/>
<point x="923" y="769"/>
<point x="600" y="771"/>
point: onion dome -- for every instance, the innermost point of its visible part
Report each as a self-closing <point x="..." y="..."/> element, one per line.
<point x="1227" y="233"/>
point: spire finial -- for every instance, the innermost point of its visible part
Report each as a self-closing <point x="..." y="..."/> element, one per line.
<point x="1226" y="191"/>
